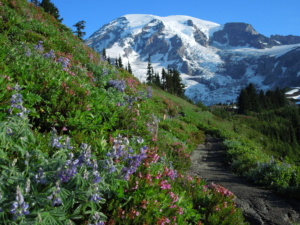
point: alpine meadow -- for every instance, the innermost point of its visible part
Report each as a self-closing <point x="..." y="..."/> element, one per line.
<point x="83" y="141"/>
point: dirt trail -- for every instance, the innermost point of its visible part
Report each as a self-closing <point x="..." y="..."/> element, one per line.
<point x="259" y="206"/>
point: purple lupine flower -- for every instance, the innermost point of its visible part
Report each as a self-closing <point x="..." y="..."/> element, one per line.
<point x="109" y="165"/>
<point x="65" y="62"/>
<point x="27" y="186"/>
<point x="96" y="219"/>
<point x="40" y="177"/>
<point x="149" y="92"/>
<point x="49" y="54"/>
<point x="56" y="200"/>
<point x="17" y="87"/>
<point x="95" y="197"/>
<point x="67" y="144"/>
<point x="139" y="140"/>
<point x="55" y="141"/>
<point x="16" y="98"/>
<point x="19" y="207"/>
<point x="85" y="156"/>
<point x="9" y="131"/>
<point x="132" y="162"/>
<point x="17" y="103"/>
<point x="39" y="47"/>
<point x="120" y="85"/>
<point x="69" y="171"/>
<point x="97" y="177"/>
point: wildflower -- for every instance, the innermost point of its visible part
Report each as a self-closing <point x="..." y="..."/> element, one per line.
<point x="49" y="54"/>
<point x="140" y="140"/>
<point x="164" y="185"/>
<point x="96" y="219"/>
<point x="120" y="85"/>
<point x="27" y="186"/>
<point x="97" y="177"/>
<point x="65" y="62"/>
<point x="67" y="144"/>
<point x="144" y="204"/>
<point x="180" y="211"/>
<point x="95" y="197"/>
<point x="56" y="200"/>
<point x="40" y="176"/>
<point x="85" y="156"/>
<point x="17" y="103"/>
<point x="173" y="197"/>
<point x="69" y="171"/>
<point x="28" y="53"/>
<point x="149" y="92"/>
<point x="19" y="207"/>
<point x="39" y="47"/>
<point x="9" y="131"/>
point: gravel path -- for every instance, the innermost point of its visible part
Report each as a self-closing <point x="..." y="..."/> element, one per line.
<point x="260" y="206"/>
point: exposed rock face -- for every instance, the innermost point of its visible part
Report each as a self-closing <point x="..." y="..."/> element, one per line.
<point x="286" y="40"/>
<point x="216" y="61"/>
<point x="242" y="34"/>
<point x="283" y="71"/>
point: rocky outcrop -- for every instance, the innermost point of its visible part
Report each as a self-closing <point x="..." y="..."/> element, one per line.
<point x="283" y="71"/>
<point x="242" y="34"/>
<point x="286" y="40"/>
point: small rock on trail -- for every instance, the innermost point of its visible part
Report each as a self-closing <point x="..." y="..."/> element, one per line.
<point x="260" y="206"/>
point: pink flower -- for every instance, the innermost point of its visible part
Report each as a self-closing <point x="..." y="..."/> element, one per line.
<point x="180" y="211"/>
<point x="164" y="185"/>
<point x="174" y="197"/>
<point x="158" y="176"/>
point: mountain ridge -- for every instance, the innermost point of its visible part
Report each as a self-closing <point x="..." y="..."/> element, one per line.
<point x="215" y="60"/>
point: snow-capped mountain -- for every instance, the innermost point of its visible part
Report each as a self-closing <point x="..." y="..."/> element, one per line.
<point x="215" y="60"/>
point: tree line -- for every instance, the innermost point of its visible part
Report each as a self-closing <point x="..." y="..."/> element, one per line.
<point x="169" y="81"/>
<point x="251" y="101"/>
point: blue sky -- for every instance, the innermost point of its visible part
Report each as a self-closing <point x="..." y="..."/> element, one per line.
<point x="267" y="16"/>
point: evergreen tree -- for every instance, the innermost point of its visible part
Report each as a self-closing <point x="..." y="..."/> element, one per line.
<point x="149" y="74"/>
<point x="178" y="86"/>
<point x="252" y="98"/>
<point x="108" y="60"/>
<point x="243" y="102"/>
<point x="169" y="80"/>
<point x="163" y="78"/>
<point x="50" y="8"/>
<point x="79" y="27"/>
<point x="116" y="63"/>
<point x="129" y="68"/>
<point x="120" y="63"/>
<point x="104" y="57"/>
<point x="262" y="100"/>
<point x="157" y="80"/>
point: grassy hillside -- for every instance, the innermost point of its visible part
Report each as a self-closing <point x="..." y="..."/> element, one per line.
<point x="85" y="143"/>
<point x="82" y="142"/>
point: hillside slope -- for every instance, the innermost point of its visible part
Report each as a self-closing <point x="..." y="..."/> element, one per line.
<point x="85" y="143"/>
